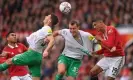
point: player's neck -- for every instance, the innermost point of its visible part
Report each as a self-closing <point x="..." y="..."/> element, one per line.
<point x="45" y="25"/>
<point x="12" y="44"/>
<point x="76" y="36"/>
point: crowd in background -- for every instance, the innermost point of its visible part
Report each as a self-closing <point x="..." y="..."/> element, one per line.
<point x="26" y="16"/>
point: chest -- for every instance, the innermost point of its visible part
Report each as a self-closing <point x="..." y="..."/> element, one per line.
<point x="14" y="51"/>
<point x="82" y="41"/>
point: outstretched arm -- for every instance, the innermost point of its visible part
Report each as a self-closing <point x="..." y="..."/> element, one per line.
<point x="59" y="45"/>
<point x="51" y="40"/>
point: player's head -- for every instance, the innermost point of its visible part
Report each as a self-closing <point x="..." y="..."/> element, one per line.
<point x="50" y="20"/>
<point x="74" y="27"/>
<point x="11" y="37"/>
<point x="99" y="25"/>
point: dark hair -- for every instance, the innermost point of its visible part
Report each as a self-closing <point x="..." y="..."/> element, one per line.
<point x="73" y="22"/>
<point x="9" y="33"/>
<point x="54" y="19"/>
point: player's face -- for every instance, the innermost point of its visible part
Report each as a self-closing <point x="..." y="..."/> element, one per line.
<point x="47" y="19"/>
<point x="12" y="38"/>
<point x="99" y="26"/>
<point x="73" y="29"/>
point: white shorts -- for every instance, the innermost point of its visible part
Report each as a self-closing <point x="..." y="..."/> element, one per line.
<point x="26" y="77"/>
<point x="111" y="65"/>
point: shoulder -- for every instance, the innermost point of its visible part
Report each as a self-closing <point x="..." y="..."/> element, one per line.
<point x="111" y="29"/>
<point x="6" y="48"/>
<point x="21" y="45"/>
<point x="64" y="31"/>
<point x="85" y="33"/>
<point x="46" y="28"/>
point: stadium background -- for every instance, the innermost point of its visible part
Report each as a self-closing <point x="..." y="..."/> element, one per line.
<point x="26" y="16"/>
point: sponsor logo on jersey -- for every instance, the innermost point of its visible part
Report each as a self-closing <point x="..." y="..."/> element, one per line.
<point x="110" y="31"/>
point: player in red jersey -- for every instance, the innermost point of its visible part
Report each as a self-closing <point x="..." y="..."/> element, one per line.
<point x="13" y="48"/>
<point x="114" y="57"/>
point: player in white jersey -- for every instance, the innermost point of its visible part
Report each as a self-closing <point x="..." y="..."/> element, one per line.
<point x="33" y="56"/>
<point x="76" y="42"/>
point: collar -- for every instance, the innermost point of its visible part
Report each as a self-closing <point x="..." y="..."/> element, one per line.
<point x="46" y="26"/>
<point x="12" y="46"/>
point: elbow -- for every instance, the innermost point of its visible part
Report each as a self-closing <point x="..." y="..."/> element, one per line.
<point x="55" y="34"/>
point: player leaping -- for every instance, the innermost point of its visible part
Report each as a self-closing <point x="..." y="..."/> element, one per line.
<point x="33" y="56"/>
<point x="76" y="42"/>
<point x="10" y="50"/>
<point x="113" y="59"/>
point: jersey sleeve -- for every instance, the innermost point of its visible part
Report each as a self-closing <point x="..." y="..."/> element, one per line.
<point x="63" y="32"/>
<point x="111" y="41"/>
<point x="91" y="38"/>
<point x="6" y="50"/>
<point x="2" y="60"/>
<point x="24" y="47"/>
<point x="47" y="31"/>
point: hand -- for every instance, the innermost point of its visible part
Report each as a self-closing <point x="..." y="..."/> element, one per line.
<point x="45" y="54"/>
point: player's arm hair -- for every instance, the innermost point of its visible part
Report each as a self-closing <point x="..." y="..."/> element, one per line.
<point x="59" y="45"/>
<point x="51" y="42"/>
<point x="51" y="38"/>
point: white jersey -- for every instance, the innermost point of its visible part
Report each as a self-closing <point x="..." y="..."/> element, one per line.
<point x="72" y="46"/>
<point x="25" y="77"/>
<point x="36" y="39"/>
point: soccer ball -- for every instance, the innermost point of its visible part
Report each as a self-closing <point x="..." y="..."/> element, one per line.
<point x="65" y="7"/>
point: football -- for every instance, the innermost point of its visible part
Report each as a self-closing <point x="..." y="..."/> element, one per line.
<point x="65" y="7"/>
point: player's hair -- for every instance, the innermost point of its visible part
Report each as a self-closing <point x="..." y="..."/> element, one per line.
<point x="54" y="19"/>
<point x="97" y="20"/>
<point x="7" y="35"/>
<point x="73" y="22"/>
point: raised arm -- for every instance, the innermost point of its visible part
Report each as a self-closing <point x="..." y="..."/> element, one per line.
<point x="51" y="39"/>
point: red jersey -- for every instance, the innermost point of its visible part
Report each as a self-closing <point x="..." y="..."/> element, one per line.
<point x="16" y="70"/>
<point x="111" y="39"/>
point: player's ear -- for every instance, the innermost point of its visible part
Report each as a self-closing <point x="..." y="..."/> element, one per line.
<point x="94" y="24"/>
<point x="7" y="38"/>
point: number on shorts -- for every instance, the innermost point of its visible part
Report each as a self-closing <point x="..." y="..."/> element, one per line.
<point x="115" y="71"/>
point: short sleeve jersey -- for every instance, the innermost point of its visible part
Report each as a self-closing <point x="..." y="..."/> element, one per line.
<point x="36" y="39"/>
